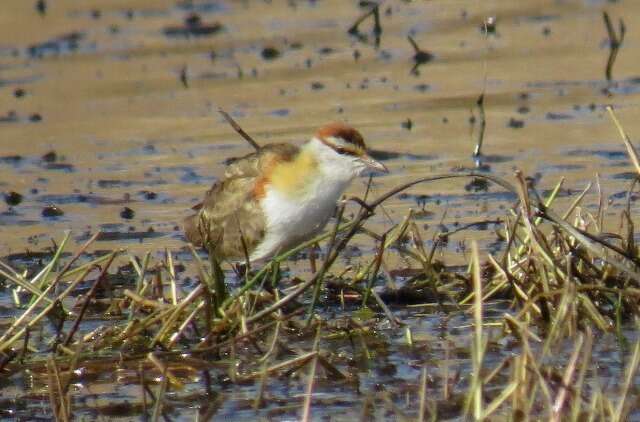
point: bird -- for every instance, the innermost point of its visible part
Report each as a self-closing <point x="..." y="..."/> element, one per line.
<point x="279" y="196"/>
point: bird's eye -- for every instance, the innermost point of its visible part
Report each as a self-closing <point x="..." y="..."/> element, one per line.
<point x="342" y="151"/>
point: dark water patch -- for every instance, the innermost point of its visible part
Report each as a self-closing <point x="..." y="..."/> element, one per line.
<point x="540" y="18"/>
<point x="383" y="155"/>
<point x="131" y="14"/>
<point x="280" y="112"/>
<point x="49" y="161"/>
<point x="562" y="167"/>
<point x="422" y="200"/>
<point x="10" y="117"/>
<point x="11" y="217"/>
<point x="9" y="52"/>
<point x="562" y="193"/>
<point x="18" y="81"/>
<point x="64" y="44"/>
<point x="409" y="295"/>
<point x="602" y="153"/>
<point x="192" y="177"/>
<point x="148" y="149"/>
<point x="514" y="123"/>
<point x="78" y="198"/>
<point x="558" y="116"/>
<point x="117" y="408"/>
<point x="495" y="158"/>
<point x="187" y="174"/>
<point x="200" y="6"/>
<point x="32" y="258"/>
<point x="215" y="76"/>
<point x="11" y="159"/>
<point x="134" y="235"/>
<point x="198" y="150"/>
<point x="113" y="183"/>
<point x="623" y="195"/>
<point x="66" y="167"/>
<point x="479" y="167"/>
<point x="626" y="175"/>
<point x="597" y="84"/>
<point x="193" y="27"/>
<point x="626" y="87"/>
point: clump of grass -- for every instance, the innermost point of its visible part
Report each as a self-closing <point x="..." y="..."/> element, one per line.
<point x="561" y="276"/>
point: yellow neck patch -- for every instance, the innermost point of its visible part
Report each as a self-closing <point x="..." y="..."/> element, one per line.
<point x="294" y="177"/>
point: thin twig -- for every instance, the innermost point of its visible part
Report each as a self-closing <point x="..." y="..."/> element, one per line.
<point x="631" y="150"/>
<point x="87" y="301"/>
<point x="615" y="42"/>
<point x="238" y="129"/>
<point x="306" y="408"/>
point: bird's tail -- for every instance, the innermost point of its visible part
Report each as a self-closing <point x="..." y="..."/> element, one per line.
<point x="191" y="230"/>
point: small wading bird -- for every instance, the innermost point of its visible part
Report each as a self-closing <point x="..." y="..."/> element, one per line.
<point x="278" y="197"/>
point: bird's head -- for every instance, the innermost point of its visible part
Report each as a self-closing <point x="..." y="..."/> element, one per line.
<point x="342" y="149"/>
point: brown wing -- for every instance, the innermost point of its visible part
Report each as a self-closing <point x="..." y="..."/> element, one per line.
<point x="230" y="211"/>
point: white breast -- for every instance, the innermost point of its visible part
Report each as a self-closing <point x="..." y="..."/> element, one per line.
<point x="292" y="220"/>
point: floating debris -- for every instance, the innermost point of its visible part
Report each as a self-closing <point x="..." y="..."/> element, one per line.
<point x="12" y="198"/>
<point x="377" y="27"/>
<point x="193" y="27"/>
<point x="41" y="7"/>
<point x="515" y="123"/>
<point x="52" y="211"/>
<point x="270" y="53"/>
<point x="184" y="78"/>
<point x="615" y="42"/>
<point x="127" y="213"/>
<point x="489" y="25"/>
<point x="50" y="157"/>
<point x="420" y="56"/>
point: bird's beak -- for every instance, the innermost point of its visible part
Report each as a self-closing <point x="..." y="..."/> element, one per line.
<point x="374" y="164"/>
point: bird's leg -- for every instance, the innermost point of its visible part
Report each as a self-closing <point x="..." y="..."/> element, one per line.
<point x="240" y="269"/>
<point x="312" y="257"/>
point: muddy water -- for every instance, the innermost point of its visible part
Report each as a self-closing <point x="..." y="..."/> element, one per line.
<point x="108" y="108"/>
<point x="125" y="96"/>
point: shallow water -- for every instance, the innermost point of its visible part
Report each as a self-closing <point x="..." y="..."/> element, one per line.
<point x="112" y="104"/>
<point x="99" y="85"/>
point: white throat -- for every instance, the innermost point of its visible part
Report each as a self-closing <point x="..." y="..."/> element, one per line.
<point x="291" y="220"/>
<point x="335" y="167"/>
